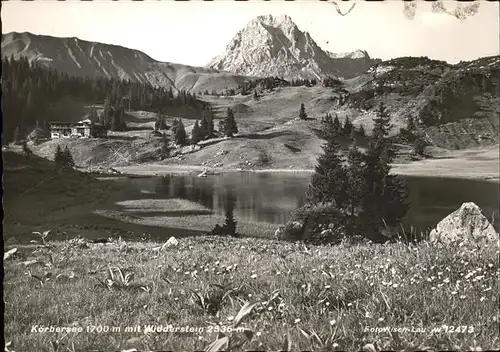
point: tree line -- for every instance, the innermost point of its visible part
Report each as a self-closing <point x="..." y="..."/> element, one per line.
<point x="269" y="83"/>
<point x="201" y="131"/>
<point x="31" y="92"/>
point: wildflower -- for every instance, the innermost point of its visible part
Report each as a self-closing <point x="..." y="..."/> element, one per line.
<point x="327" y="287"/>
<point x="446" y="281"/>
<point x="454" y="292"/>
<point x="380" y="319"/>
<point x="253" y="276"/>
<point x="463" y="296"/>
<point x="297" y="321"/>
<point x="395" y="286"/>
<point x="333" y="322"/>
<point x="230" y="318"/>
<point x="482" y="299"/>
<point x="258" y="333"/>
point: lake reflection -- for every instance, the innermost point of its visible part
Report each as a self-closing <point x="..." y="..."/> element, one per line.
<point x="268" y="197"/>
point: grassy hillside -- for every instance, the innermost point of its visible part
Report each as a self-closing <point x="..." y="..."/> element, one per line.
<point x="36" y="192"/>
<point x="302" y="298"/>
<point x="456" y="106"/>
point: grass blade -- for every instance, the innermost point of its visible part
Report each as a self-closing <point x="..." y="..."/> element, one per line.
<point x="244" y="311"/>
<point x="217" y="344"/>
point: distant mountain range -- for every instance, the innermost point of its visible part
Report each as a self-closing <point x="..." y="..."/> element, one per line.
<point x="268" y="46"/>
<point x="274" y="46"/>
<point x="83" y="58"/>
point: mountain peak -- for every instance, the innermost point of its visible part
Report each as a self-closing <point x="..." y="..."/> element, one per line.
<point x="273" y="45"/>
<point x="273" y="20"/>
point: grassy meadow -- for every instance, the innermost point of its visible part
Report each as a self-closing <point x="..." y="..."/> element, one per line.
<point x="293" y="297"/>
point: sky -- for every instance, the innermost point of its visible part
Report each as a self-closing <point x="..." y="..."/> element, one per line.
<point x="193" y="32"/>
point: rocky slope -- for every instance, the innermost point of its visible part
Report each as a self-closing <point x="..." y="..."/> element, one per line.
<point x="456" y="106"/>
<point x="274" y="46"/>
<point x="83" y="58"/>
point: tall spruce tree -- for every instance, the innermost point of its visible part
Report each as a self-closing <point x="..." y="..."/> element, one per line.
<point x="361" y="131"/>
<point x="355" y="186"/>
<point x="328" y="181"/>
<point x="336" y="124"/>
<point x="58" y="156"/>
<point x="385" y="202"/>
<point x="348" y="127"/>
<point x="68" y="158"/>
<point x="180" y="133"/>
<point x="230" y="127"/>
<point x="160" y="122"/>
<point x="196" y="134"/>
<point x="302" y="112"/>
<point x="255" y="95"/>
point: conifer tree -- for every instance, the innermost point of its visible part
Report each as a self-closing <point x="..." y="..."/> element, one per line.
<point x="229" y="225"/>
<point x="328" y="181"/>
<point x="385" y="203"/>
<point x="361" y="131"/>
<point x="230" y="127"/>
<point x="210" y="120"/>
<point x="302" y="112"/>
<point x="180" y="133"/>
<point x="255" y="95"/>
<point x="355" y="186"/>
<point x="347" y="128"/>
<point x="59" y="156"/>
<point x="68" y="158"/>
<point x="160" y="122"/>
<point x="196" y="134"/>
<point x="336" y="124"/>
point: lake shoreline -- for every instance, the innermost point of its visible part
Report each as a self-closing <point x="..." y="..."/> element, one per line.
<point x="468" y="172"/>
<point x="472" y="164"/>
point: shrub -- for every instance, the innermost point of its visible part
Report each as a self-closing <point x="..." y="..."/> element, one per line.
<point x="308" y="222"/>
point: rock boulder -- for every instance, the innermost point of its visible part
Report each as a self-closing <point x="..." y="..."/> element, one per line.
<point x="466" y="223"/>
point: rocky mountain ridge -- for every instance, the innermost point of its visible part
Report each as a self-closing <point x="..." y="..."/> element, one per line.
<point x="274" y="46"/>
<point x="82" y="58"/>
<point x="456" y="106"/>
